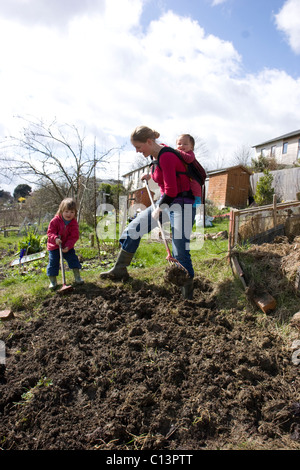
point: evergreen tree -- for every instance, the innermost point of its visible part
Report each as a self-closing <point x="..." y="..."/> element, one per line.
<point x="264" y="190"/>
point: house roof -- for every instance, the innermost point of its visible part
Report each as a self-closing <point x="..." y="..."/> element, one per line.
<point x="224" y="170"/>
<point x="282" y="137"/>
<point x="135" y="169"/>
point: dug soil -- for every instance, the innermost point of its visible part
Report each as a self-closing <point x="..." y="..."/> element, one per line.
<point x="133" y="366"/>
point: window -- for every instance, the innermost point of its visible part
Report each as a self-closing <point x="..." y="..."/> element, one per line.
<point x="273" y="150"/>
<point x="299" y="149"/>
<point x="285" y="147"/>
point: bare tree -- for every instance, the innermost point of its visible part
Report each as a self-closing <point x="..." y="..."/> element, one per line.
<point x="216" y="162"/>
<point x="139" y="162"/>
<point x="201" y="150"/>
<point x="242" y="155"/>
<point x="55" y="155"/>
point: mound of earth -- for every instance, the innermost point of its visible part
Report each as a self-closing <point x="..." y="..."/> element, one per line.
<point x="273" y="267"/>
<point x="133" y="366"/>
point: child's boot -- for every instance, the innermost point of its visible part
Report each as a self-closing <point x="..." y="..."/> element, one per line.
<point x="53" y="283"/>
<point x="77" y="277"/>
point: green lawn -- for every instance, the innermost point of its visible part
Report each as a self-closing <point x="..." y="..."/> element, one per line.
<point x="23" y="290"/>
<point x="25" y="286"/>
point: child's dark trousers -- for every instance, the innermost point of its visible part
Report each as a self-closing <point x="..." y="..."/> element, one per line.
<point x="54" y="261"/>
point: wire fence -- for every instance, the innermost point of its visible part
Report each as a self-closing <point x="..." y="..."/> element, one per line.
<point x="262" y="224"/>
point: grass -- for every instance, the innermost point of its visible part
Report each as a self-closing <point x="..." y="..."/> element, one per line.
<point x="24" y="290"/>
<point x="26" y="287"/>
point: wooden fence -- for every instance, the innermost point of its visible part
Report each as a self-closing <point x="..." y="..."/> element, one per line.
<point x="286" y="183"/>
<point x="262" y="224"/>
<point x="10" y="218"/>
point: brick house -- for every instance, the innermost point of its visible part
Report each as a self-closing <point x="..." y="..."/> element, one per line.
<point x="137" y="192"/>
<point x="285" y="148"/>
<point x="229" y="187"/>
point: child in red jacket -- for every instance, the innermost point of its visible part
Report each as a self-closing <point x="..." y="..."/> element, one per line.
<point x="185" y="144"/>
<point x="63" y="229"/>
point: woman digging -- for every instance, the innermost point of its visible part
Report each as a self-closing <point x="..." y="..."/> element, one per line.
<point x="176" y="201"/>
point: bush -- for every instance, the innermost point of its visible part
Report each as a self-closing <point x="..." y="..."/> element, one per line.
<point x="32" y="243"/>
<point x="264" y="190"/>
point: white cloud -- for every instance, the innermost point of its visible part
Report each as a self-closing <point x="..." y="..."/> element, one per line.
<point x="48" y="12"/>
<point x="288" y="21"/>
<point x="217" y="2"/>
<point x="104" y="72"/>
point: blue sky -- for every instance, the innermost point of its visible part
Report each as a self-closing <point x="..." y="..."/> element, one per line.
<point x="249" y="25"/>
<point x="226" y="71"/>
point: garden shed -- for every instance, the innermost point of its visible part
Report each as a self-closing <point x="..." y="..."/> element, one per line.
<point x="229" y="187"/>
<point x="140" y="196"/>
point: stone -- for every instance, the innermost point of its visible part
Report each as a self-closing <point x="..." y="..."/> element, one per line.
<point x="6" y="315"/>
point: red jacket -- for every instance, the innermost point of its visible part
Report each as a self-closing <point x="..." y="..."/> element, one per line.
<point x="69" y="234"/>
<point x="169" y="182"/>
<point x="195" y="186"/>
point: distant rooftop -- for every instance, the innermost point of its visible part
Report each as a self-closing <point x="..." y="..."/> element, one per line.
<point x="282" y="137"/>
<point x="135" y="169"/>
<point x="224" y="170"/>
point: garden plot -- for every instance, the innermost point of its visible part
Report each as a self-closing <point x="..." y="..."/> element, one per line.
<point x="113" y="366"/>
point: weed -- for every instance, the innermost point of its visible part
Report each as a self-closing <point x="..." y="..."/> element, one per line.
<point x="139" y="442"/>
<point x="31" y="244"/>
<point x="28" y="396"/>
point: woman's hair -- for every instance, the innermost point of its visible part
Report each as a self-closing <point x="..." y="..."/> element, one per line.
<point x="191" y="139"/>
<point x="67" y="204"/>
<point x="143" y="133"/>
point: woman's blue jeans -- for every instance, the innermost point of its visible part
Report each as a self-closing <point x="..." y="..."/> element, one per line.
<point x="54" y="259"/>
<point x="181" y="217"/>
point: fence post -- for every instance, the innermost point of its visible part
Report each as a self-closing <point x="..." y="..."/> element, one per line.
<point x="274" y="210"/>
<point x="236" y="228"/>
<point x="233" y="229"/>
<point x="231" y="226"/>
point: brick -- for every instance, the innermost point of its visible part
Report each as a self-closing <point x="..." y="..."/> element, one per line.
<point x="265" y="302"/>
<point x="6" y="315"/>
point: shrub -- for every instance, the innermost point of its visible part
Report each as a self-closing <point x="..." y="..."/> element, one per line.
<point x="264" y="190"/>
<point x="32" y="243"/>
